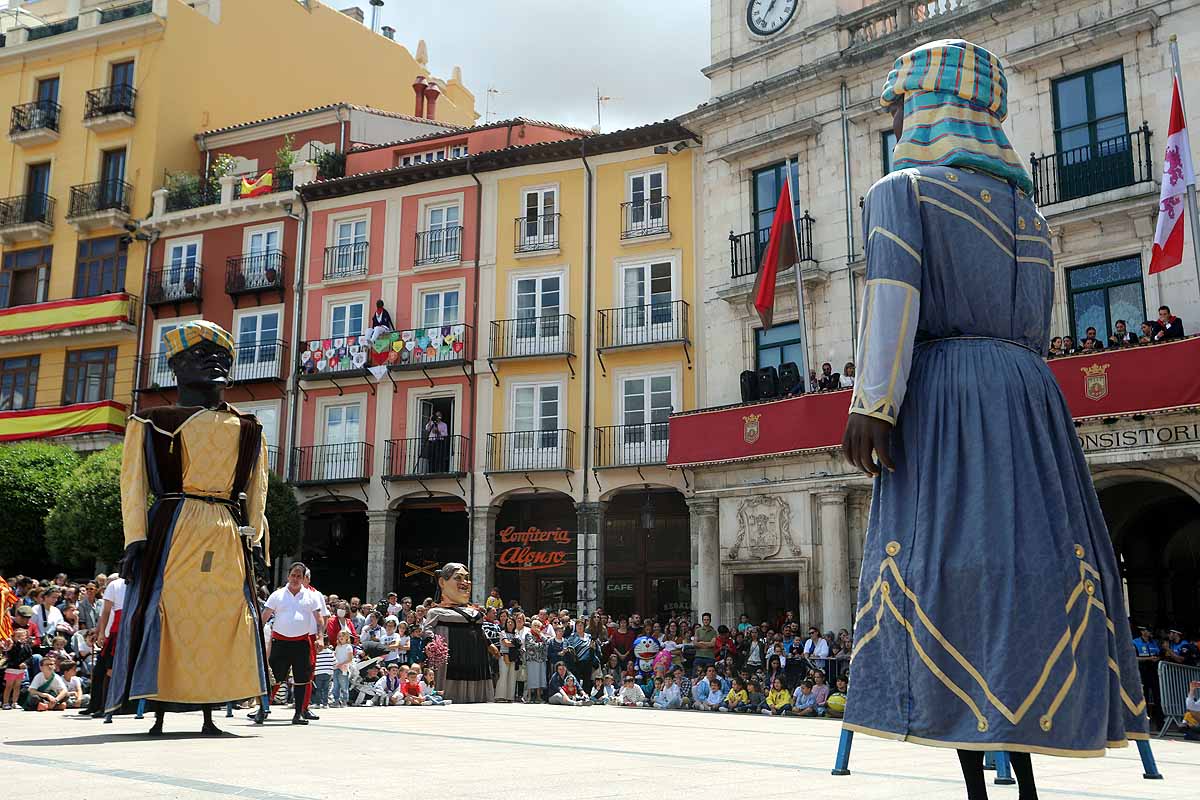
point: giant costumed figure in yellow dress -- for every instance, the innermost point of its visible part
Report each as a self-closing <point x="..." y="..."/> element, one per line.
<point x="189" y="636"/>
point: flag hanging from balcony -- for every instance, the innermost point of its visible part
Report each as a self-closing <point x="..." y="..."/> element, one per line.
<point x="1177" y="176"/>
<point x="781" y="254"/>
<point x="260" y="185"/>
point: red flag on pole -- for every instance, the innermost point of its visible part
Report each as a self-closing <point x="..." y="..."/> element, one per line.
<point x="1177" y="176"/>
<point x="781" y="254"/>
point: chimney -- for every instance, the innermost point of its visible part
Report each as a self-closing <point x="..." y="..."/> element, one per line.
<point x="419" y="89"/>
<point x="389" y="32"/>
<point x="431" y="96"/>
<point x="355" y="13"/>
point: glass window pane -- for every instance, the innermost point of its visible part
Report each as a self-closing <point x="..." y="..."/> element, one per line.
<point x="778" y="333"/>
<point x="1108" y="90"/>
<point x="1127" y="303"/>
<point x="1090" y="311"/>
<point x="1072" y="101"/>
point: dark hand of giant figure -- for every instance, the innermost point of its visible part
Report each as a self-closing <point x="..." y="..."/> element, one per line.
<point x="864" y="434"/>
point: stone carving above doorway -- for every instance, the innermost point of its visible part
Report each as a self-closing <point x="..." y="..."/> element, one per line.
<point x="763" y="527"/>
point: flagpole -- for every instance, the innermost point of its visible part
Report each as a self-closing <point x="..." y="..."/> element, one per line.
<point x="1193" y="214"/>
<point x="799" y="279"/>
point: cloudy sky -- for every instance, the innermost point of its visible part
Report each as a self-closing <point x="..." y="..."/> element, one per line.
<point x="547" y="58"/>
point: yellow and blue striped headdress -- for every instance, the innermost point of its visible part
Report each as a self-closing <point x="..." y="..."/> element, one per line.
<point x="194" y="332"/>
<point x="955" y="97"/>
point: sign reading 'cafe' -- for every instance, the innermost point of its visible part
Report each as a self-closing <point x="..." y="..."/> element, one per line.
<point x="534" y="548"/>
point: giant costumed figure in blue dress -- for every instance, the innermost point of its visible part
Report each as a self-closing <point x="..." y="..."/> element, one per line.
<point x="990" y="612"/>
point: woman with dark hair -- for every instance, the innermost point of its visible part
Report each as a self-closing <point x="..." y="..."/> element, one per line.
<point x="466" y="676"/>
<point x="775" y="671"/>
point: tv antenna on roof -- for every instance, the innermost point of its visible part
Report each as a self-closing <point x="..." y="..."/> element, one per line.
<point x="487" y="105"/>
<point x="601" y="99"/>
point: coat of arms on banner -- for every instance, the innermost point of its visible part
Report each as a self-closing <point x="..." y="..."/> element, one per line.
<point x="750" y="429"/>
<point x="764" y="524"/>
<point x="1095" y="381"/>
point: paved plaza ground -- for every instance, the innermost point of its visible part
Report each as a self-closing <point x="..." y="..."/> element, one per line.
<point x="503" y="751"/>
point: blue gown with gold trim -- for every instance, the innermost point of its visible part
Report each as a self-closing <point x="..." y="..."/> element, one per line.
<point x="990" y="608"/>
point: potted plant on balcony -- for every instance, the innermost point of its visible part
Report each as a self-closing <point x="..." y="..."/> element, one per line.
<point x="271" y="274"/>
<point x="285" y="162"/>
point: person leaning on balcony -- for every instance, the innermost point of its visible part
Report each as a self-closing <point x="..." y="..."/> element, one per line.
<point x="1172" y="326"/>
<point x="828" y="381"/>
<point x="1090" y="343"/>
<point x="381" y="322"/>
<point x="847" y="379"/>
<point x="1150" y="332"/>
<point x="1122" y="336"/>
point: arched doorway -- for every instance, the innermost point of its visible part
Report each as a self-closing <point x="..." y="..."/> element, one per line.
<point x="430" y="531"/>
<point x="536" y="550"/>
<point x="335" y="545"/>
<point x="647" y="554"/>
<point x="1155" y="528"/>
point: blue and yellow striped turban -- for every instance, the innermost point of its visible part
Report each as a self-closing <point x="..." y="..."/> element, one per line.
<point x="194" y="332"/>
<point x="955" y="96"/>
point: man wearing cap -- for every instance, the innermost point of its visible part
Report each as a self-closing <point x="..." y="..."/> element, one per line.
<point x="1181" y="651"/>
<point x="181" y="643"/>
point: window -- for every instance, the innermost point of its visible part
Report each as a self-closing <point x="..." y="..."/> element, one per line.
<point x="430" y="156"/>
<point x="262" y="253"/>
<point x="18" y="383"/>
<point x="47" y="90"/>
<point x="160" y="373"/>
<point x="37" y="189"/>
<point x="1091" y="132"/>
<point x="268" y="416"/>
<point x="767" y="183"/>
<point x="258" y="348"/>
<point x="887" y="146"/>
<point x="647" y="312"/>
<point x="538" y="305"/>
<point x="262" y="241"/>
<point x="442" y="234"/>
<point x="536" y="415"/>
<point x="89" y="375"/>
<point x="179" y="273"/>
<point x="539" y="224"/>
<point x="350" y="238"/>
<point x="121" y="74"/>
<point x="646" y="403"/>
<point x="346" y="319"/>
<point x="646" y="190"/>
<point x="100" y="267"/>
<point x="25" y="277"/>
<point x="342" y="455"/>
<point x="439" y="308"/>
<point x="1101" y="294"/>
<point x="778" y="345"/>
<point x="458" y="151"/>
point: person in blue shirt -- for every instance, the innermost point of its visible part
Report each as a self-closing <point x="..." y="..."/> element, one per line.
<point x="1145" y="645"/>
<point x="1182" y="651"/>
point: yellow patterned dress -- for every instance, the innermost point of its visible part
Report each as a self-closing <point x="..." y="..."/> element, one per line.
<point x="188" y="634"/>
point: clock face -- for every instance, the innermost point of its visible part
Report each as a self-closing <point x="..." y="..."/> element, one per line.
<point x="765" y="17"/>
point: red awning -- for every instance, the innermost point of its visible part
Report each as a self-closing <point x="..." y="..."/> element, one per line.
<point x="1140" y="380"/>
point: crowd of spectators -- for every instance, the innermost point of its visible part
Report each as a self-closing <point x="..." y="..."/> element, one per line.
<point x="1165" y="328"/>
<point x="826" y="381"/>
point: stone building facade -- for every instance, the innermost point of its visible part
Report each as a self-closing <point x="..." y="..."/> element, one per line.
<point x="1089" y="85"/>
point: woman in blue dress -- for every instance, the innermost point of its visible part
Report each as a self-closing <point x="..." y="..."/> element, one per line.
<point x="990" y="609"/>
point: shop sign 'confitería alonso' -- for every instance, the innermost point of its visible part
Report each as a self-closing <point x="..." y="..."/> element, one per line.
<point x="534" y="548"/>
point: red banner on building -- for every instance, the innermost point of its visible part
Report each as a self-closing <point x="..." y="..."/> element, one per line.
<point x="1138" y="380"/>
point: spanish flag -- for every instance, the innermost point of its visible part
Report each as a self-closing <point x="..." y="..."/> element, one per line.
<point x="8" y="599"/>
<point x="260" y="185"/>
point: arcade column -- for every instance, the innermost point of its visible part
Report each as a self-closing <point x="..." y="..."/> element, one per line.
<point x="483" y="551"/>
<point x="589" y="550"/>
<point x="706" y="558"/>
<point x="381" y="552"/>
<point x="835" y="561"/>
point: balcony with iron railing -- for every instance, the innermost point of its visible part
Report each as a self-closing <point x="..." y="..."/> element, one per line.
<point x="531" y="451"/>
<point x="637" y="445"/>
<point x="746" y="249"/>
<point x="99" y="205"/>
<point x="249" y="273"/>
<point x="110" y="107"/>
<point x="632" y="326"/>
<point x="423" y="348"/>
<point x="1115" y="163"/>
<point x="439" y="246"/>
<point x="118" y="13"/>
<point x="53" y="29"/>
<point x="281" y="181"/>
<point x="332" y="463"/>
<point x="333" y="356"/>
<point x="34" y="123"/>
<point x="531" y="337"/>
<point x="420" y="458"/>
<point x="273" y="459"/>
<point x="345" y="261"/>
<point x="261" y="360"/>
<point x="26" y="217"/>
<point x="642" y="218"/>
<point x="186" y="190"/>
<point x="536" y="234"/>
<point x="174" y="283"/>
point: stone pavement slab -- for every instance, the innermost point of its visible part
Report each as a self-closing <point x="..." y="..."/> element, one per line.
<point x="483" y="751"/>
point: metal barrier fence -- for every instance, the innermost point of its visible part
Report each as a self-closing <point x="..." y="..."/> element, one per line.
<point x="1173" y="680"/>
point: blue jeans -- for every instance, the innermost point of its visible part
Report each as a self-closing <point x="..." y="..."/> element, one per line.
<point x="320" y="695"/>
<point x="341" y="687"/>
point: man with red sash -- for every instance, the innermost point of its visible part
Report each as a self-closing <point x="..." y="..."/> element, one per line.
<point x="295" y="637"/>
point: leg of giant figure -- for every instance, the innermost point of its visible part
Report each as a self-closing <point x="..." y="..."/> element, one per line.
<point x="971" y="762"/>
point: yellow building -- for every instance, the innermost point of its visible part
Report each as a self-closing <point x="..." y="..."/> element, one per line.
<point x="105" y="99"/>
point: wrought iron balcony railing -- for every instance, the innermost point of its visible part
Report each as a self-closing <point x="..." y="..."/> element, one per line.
<point x="38" y="115"/>
<point x="746" y="249"/>
<point x="645" y="218"/>
<point x="254" y="272"/>
<point x="646" y="324"/>
<point x="174" y="283"/>
<point x="89" y="198"/>
<point x="632" y="445"/>
<point x="102" y="102"/>
<point x="533" y="336"/>
<point x="531" y="451"/>
<point x="345" y="260"/>
<point x="417" y="458"/>
<point x="27" y="208"/>
<point x="439" y="245"/>
<point x="189" y="190"/>
<point x="281" y="181"/>
<point x="261" y="360"/>
<point x="118" y="13"/>
<point x="53" y="29"/>
<point x="536" y="233"/>
<point x="332" y="463"/>
<point x="273" y="459"/>
<point x="1113" y="163"/>
<point x="156" y="372"/>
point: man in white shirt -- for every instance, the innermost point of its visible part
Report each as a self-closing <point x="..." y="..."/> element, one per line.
<point x="106" y="641"/>
<point x="816" y="649"/>
<point x="297" y="625"/>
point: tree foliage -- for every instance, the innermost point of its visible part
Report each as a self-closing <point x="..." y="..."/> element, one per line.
<point x="30" y="476"/>
<point x="85" y="524"/>
<point x="283" y="518"/>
